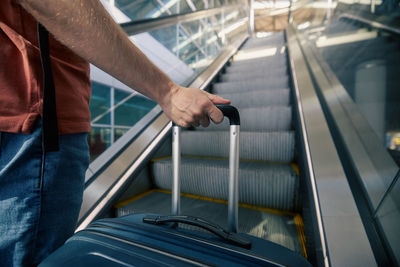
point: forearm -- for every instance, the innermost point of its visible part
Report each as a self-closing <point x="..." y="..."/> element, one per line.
<point x="85" y="27"/>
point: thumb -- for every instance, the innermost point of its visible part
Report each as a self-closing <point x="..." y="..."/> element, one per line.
<point x="217" y="99"/>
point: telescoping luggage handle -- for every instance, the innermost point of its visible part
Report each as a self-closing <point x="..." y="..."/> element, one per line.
<point x="233" y="199"/>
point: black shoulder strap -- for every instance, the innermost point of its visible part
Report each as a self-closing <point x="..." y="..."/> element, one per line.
<point x="49" y="117"/>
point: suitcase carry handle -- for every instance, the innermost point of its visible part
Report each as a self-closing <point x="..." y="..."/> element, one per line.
<point x="228" y="237"/>
<point x="233" y="198"/>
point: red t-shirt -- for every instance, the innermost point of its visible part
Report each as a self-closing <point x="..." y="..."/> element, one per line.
<point x="21" y="77"/>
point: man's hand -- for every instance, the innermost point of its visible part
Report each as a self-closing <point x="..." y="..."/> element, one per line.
<point x="192" y="107"/>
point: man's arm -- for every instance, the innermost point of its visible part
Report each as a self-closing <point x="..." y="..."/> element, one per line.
<point x="86" y="28"/>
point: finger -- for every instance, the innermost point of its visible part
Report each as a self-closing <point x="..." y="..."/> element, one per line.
<point x="191" y="120"/>
<point x="217" y="99"/>
<point x="183" y="123"/>
<point x="215" y="114"/>
<point x="205" y="121"/>
<point x="195" y="124"/>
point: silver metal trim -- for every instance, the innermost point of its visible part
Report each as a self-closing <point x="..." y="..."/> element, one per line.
<point x="292" y="44"/>
<point x="342" y="232"/>
<point x="176" y="163"/>
<point x="369" y="155"/>
<point x="233" y="198"/>
<point x="370" y="160"/>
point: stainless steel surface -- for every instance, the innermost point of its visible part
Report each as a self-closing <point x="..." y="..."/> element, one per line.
<point x="176" y="162"/>
<point x="105" y="181"/>
<point x="371" y="161"/>
<point x="295" y="55"/>
<point x="233" y="198"/>
<point x="148" y="25"/>
<point x="342" y="234"/>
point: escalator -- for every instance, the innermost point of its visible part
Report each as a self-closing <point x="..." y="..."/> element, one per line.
<point x="268" y="175"/>
<point x="294" y="181"/>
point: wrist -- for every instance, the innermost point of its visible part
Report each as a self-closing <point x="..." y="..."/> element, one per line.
<point x="167" y="93"/>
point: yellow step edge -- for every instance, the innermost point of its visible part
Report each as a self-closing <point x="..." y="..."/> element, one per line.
<point x="298" y="221"/>
<point x="133" y="199"/>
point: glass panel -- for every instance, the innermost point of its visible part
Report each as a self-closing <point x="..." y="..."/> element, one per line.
<point x="145" y="9"/>
<point x="184" y="50"/>
<point x="99" y="138"/>
<point x="99" y="141"/>
<point x="130" y="108"/>
<point x="100" y="104"/>
<point x="235" y="25"/>
<point x="388" y="217"/>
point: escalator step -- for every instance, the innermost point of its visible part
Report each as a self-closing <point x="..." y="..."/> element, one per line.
<point x="261" y="146"/>
<point x="271" y="118"/>
<point x="258" y="54"/>
<point x="271" y="40"/>
<point x="256" y="66"/>
<point x="274" y="186"/>
<point x="251" y="85"/>
<point x="267" y="75"/>
<point x="239" y="70"/>
<point x="259" y="98"/>
<point x="264" y="61"/>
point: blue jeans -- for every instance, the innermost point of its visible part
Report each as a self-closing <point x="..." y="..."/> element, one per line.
<point x="40" y="194"/>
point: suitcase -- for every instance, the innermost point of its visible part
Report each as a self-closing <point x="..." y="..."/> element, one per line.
<point x="159" y="240"/>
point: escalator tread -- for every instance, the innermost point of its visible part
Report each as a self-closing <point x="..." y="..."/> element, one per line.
<point x="268" y="185"/>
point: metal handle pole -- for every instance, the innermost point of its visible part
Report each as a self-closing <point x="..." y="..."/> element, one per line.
<point x="233" y="199"/>
<point x="176" y="162"/>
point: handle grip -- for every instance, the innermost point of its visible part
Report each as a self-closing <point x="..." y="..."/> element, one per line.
<point x="231" y="112"/>
<point x="228" y="237"/>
